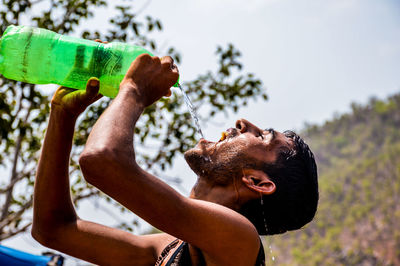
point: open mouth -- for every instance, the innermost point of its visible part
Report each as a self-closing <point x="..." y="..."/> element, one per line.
<point x="228" y="134"/>
<point x="223" y="136"/>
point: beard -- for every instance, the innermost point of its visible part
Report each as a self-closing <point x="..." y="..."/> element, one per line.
<point x="221" y="168"/>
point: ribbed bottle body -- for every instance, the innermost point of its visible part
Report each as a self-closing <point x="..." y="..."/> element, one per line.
<point x="41" y="56"/>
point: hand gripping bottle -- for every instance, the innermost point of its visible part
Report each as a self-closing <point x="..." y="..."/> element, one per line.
<point x="40" y="56"/>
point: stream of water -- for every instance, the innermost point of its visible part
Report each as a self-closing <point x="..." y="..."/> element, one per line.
<point x="192" y="111"/>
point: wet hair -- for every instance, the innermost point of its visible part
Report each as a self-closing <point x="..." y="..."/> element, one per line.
<point x="294" y="202"/>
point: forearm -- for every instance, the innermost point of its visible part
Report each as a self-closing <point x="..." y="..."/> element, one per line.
<point x="52" y="201"/>
<point x="113" y="132"/>
<point x="108" y="163"/>
<point x="56" y="224"/>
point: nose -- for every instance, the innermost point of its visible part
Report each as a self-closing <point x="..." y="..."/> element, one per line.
<point x="245" y="126"/>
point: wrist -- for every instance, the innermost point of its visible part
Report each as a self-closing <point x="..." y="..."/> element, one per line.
<point x="62" y="114"/>
<point x="130" y="91"/>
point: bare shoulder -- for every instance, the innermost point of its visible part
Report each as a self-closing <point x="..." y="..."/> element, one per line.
<point x="223" y="236"/>
<point x="226" y="236"/>
<point x="222" y="219"/>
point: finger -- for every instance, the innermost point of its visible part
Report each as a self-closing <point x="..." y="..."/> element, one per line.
<point x="156" y="60"/>
<point x="167" y="62"/>
<point x="169" y="93"/>
<point x="142" y="59"/>
<point x="100" y="41"/>
<point x="174" y="77"/>
<point x="174" y="68"/>
<point x="60" y="93"/>
<point x="63" y="90"/>
<point x="167" y="59"/>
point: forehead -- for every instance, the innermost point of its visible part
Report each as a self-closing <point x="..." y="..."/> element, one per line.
<point x="268" y="150"/>
<point x="281" y="139"/>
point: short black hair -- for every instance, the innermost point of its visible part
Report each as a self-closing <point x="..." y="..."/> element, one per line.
<point x="294" y="202"/>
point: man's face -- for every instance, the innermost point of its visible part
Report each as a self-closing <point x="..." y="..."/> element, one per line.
<point x="244" y="145"/>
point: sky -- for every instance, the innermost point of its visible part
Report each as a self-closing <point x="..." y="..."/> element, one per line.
<point x="314" y="57"/>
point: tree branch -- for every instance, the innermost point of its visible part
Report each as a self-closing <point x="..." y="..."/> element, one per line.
<point x="6" y="221"/>
<point x="36" y="2"/>
<point x="19" y="177"/>
<point x="90" y="194"/>
<point x="143" y="7"/>
<point x="4" y="211"/>
<point x="11" y="184"/>
<point x="7" y="203"/>
<point x="13" y="233"/>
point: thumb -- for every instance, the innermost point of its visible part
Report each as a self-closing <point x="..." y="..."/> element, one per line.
<point x="92" y="87"/>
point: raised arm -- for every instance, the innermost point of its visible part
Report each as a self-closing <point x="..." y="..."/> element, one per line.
<point x="108" y="162"/>
<point x="55" y="223"/>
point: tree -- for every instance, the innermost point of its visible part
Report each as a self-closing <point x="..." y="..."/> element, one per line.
<point x="25" y="108"/>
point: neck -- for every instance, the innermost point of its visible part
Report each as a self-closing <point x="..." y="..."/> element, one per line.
<point x="227" y="195"/>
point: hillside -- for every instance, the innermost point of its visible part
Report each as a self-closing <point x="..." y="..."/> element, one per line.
<point x="358" y="218"/>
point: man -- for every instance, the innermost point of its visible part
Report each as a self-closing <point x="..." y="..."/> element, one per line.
<point x="268" y="176"/>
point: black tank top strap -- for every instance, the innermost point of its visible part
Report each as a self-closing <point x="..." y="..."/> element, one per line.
<point x="261" y="256"/>
<point x="177" y="254"/>
<point x="173" y="253"/>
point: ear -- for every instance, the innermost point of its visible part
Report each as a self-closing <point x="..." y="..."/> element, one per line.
<point x="259" y="182"/>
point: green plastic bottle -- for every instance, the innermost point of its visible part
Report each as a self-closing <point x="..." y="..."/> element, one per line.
<point x="40" y="56"/>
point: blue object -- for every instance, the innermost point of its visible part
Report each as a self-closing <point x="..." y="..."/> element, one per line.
<point x="10" y="256"/>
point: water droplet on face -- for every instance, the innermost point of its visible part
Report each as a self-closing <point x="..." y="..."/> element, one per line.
<point x="207" y="158"/>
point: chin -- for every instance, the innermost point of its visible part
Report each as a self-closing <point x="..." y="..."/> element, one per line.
<point x="197" y="161"/>
<point x="217" y="171"/>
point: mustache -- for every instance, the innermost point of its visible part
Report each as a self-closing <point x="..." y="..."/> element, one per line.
<point x="232" y="132"/>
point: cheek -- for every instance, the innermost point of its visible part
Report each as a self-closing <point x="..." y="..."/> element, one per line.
<point x="264" y="155"/>
<point x="230" y="150"/>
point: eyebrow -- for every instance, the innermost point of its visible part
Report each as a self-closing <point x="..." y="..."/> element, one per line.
<point x="272" y="131"/>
